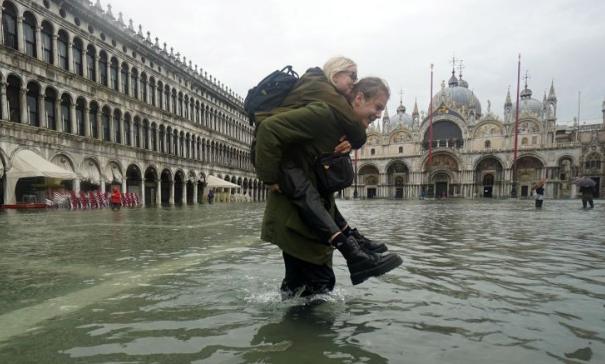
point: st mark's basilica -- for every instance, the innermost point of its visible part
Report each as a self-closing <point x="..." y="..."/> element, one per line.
<point x="473" y="149"/>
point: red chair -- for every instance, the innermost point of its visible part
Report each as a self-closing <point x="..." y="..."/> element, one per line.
<point x="92" y="200"/>
<point x="125" y="200"/>
<point x="74" y="201"/>
<point x="84" y="202"/>
<point x="135" y="199"/>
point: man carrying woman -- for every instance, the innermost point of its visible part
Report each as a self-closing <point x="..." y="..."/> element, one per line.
<point x="313" y="120"/>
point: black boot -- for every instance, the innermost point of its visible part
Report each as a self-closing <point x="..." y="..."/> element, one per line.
<point x="363" y="265"/>
<point x="366" y="244"/>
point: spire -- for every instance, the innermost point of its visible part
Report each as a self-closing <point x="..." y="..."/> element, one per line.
<point x="401" y="108"/>
<point x="415" y="112"/>
<point x="526" y="93"/>
<point x="508" y="101"/>
<point x="551" y="93"/>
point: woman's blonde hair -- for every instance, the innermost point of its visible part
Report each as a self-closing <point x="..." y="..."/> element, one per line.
<point x="335" y="65"/>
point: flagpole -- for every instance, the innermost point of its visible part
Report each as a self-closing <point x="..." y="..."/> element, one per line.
<point x="431" y="121"/>
<point x="513" y="192"/>
<point x="355" y="174"/>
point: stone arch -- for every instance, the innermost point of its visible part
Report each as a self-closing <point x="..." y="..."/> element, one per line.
<point x="166" y="181"/>
<point x="179" y="181"/>
<point x="489" y="176"/>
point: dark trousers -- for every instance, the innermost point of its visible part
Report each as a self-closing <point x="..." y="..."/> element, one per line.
<point x="587" y="199"/>
<point x="305" y="279"/>
<point x="539" y="203"/>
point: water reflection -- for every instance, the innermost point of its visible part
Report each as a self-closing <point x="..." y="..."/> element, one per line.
<point x="482" y="281"/>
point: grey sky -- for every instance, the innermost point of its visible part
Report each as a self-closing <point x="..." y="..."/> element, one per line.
<point x="240" y="41"/>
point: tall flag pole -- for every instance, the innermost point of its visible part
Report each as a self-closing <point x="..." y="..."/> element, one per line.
<point x="514" y="189"/>
<point x="431" y="121"/>
<point x="355" y="194"/>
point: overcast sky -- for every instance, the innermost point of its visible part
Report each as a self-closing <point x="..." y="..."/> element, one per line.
<point x="241" y="41"/>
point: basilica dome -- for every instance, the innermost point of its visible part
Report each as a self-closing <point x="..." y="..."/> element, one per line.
<point x="529" y="106"/>
<point x="402" y="119"/>
<point x="457" y="96"/>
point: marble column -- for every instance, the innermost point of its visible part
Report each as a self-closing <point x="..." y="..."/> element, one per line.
<point x="70" y="57"/>
<point x="3" y="100"/>
<point x="42" y="111"/>
<point x="55" y="59"/>
<point x="23" y="105"/>
<point x="39" y="54"/>
<point x="87" y="121"/>
<point x="142" y="197"/>
<point x="20" y="35"/>
<point x="195" y="192"/>
<point x="72" y="117"/>
<point x="158" y="193"/>
<point x="171" y="191"/>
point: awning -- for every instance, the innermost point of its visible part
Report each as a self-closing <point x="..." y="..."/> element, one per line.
<point x="28" y="164"/>
<point x="215" y="182"/>
<point x="113" y="174"/>
<point x="90" y="173"/>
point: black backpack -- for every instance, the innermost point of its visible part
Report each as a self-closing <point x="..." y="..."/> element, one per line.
<point x="267" y="95"/>
<point x="270" y="92"/>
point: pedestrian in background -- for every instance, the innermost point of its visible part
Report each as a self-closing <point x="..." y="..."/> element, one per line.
<point x="116" y="198"/>
<point x="538" y="189"/>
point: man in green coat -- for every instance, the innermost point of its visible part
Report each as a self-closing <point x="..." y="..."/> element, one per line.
<point x="299" y="136"/>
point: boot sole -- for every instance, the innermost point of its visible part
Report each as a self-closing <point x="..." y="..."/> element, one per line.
<point x="389" y="264"/>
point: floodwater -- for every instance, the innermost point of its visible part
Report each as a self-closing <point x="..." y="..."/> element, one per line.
<point x="482" y="282"/>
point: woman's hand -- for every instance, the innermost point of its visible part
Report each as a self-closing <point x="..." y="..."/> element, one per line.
<point x="343" y="147"/>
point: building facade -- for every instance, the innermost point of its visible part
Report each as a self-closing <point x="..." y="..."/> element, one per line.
<point x="472" y="150"/>
<point x="84" y="90"/>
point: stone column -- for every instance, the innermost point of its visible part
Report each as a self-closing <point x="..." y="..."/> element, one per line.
<point x="58" y="121"/>
<point x="39" y="54"/>
<point x="3" y="100"/>
<point x="77" y="186"/>
<point x="23" y="105"/>
<point x="112" y="132"/>
<point x="42" y="111"/>
<point x="70" y="56"/>
<point x="72" y="117"/>
<point x="87" y="121"/>
<point x="158" y="193"/>
<point x="85" y="59"/>
<point x="97" y="77"/>
<point x="195" y="191"/>
<point x="124" y="185"/>
<point x="122" y="139"/>
<point x="20" y="35"/>
<point x="119" y="75"/>
<point x="171" y="196"/>
<point x="142" y="199"/>
<point x="55" y="59"/>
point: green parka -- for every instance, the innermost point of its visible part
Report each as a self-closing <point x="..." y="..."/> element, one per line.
<point x="298" y="135"/>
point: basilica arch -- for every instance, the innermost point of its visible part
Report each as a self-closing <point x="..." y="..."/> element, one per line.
<point x="566" y="172"/>
<point x="398" y="175"/>
<point x="530" y="169"/>
<point x="442" y="175"/>
<point x="151" y="186"/>
<point x="489" y="177"/>
<point x="369" y="181"/>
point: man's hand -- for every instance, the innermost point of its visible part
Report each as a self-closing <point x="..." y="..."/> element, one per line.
<point x="343" y="147"/>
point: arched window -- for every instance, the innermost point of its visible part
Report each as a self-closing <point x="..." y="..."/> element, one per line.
<point x="113" y="74"/>
<point x="12" y="96"/>
<point x="135" y="83"/>
<point x="174" y="104"/>
<point x="175" y="140"/>
<point x="124" y="79"/>
<point x="167" y="98"/>
<point x="117" y="120"/>
<point x="103" y="68"/>
<point x="93" y="116"/>
<point x="50" y="101"/>
<point x="65" y="113"/>
<point x="182" y="145"/>
<point x="593" y="162"/>
<point x="136" y="129"/>
<point x="91" y="63"/>
<point x="154" y="145"/>
<point x="180" y="109"/>
<point x="62" y="45"/>
<point x="47" y="42"/>
<point x="77" y="54"/>
<point x="161" y="136"/>
<point x="524" y="141"/>
<point x="127" y="138"/>
<point x="80" y="116"/>
<point x="29" y="33"/>
<point x="152" y="90"/>
<point x="144" y="87"/>
<point x="105" y="116"/>
<point x="33" y="90"/>
<point x="145" y="134"/>
<point x="9" y="25"/>
<point x="488" y="144"/>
